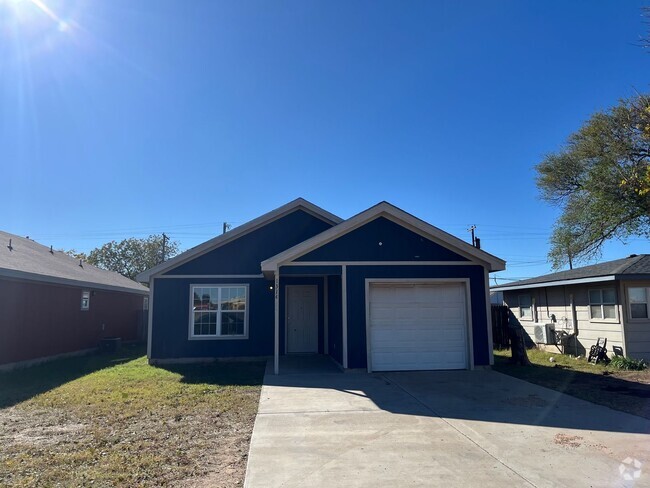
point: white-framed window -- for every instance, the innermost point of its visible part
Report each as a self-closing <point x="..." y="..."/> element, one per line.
<point x="525" y="307"/>
<point x="638" y="299"/>
<point x="602" y="304"/>
<point x="85" y="300"/>
<point x="219" y="311"/>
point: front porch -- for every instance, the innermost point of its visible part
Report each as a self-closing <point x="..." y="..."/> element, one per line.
<point x="309" y="319"/>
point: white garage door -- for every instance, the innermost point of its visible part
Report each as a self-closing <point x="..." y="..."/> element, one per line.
<point x="417" y="326"/>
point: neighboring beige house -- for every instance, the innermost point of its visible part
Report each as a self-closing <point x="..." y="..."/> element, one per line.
<point x="610" y="299"/>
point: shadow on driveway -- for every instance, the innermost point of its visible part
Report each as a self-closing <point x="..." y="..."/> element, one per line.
<point x="485" y="396"/>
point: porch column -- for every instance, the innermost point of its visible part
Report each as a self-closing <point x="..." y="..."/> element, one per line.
<point x="276" y="348"/>
<point x="344" y="308"/>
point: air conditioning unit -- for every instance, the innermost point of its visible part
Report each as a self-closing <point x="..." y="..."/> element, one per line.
<point x="545" y="334"/>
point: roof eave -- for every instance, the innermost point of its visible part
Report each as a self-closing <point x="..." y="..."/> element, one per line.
<point x="237" y="232"/>
<point x="383" y="208"/>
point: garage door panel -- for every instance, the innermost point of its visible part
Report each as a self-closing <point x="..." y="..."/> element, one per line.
<point x="417" y="326"/>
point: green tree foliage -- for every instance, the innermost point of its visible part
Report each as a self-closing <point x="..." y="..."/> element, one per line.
<point x="601" y="181"/>
<point x="132" y="256"/>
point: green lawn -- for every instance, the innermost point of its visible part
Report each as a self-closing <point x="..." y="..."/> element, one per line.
<point x="114" y="420"/>
<point x="628" y="391"/>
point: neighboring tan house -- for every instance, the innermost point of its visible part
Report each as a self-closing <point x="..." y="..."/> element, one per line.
<point x="382" y="290"/>
<point x="609" y="300"/>
<point x="52" y="304"/>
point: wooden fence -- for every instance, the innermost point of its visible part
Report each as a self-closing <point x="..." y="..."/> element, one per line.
<point x="500" y="334"/>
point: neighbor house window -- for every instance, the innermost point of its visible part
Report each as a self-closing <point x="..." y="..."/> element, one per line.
<point x="145" y="303"/>
<point x="638" y="298"/>
<point x="525" y="307"/>
<point x="602" y="304"/>
<point x="218" y="311"/>
<point x="85" y="300"/>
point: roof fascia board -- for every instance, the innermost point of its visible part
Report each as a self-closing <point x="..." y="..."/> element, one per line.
<point x="396" y="215"/>
<point x="238" y="232"/>
<point x="545" y="284"/>
<point x="23" y="275"/>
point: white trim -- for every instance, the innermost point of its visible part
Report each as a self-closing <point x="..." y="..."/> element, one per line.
<point x="441" y="281"/>
<point x="386" y="210"/>
<point x="344" y="313"/>
<point x="276" y="339"/>
<point x="218" y="337"/>
<point x="326" y="324"/>
<point x="24" y="275"/>
<point x="240" y="231"/>
<point x="488" y="311"/>
<point x="150" y="318"/>
<point x="211" y="276"/>
<point x="542" y="284"/>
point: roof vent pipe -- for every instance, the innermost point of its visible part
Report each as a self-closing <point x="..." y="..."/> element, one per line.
<point x="81" y="264"/>
<point x="10" y="246"/>
<point x="51" y="250"/>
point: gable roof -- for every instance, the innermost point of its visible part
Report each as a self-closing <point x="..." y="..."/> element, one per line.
<point x="297" y="204"/>
<point x="385" y="209"/>
<point x="30" y="260"/>
<point x="633" y="265"/>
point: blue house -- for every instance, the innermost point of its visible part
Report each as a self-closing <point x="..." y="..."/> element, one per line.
<point x="381" y="291"/>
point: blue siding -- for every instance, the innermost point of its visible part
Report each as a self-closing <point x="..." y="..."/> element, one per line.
<point x="335" y="318"/>
<point x="356" y="298"/>
<point x="245" y="254"/>
<point x="310" y="270"/>
<point x="171" y="315"/>
<point x="397" y="244"/>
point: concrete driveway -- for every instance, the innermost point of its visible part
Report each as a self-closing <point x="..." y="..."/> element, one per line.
<point x="457" y="428"/>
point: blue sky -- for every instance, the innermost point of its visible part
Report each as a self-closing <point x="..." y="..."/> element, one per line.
<point x="121" y="118"/>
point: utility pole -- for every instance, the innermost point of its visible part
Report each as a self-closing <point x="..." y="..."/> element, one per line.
<point x="472" y="229"/>
<point x="164" y="246"/>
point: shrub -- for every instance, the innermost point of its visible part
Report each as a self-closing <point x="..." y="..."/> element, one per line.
<point x="628" y="364"/>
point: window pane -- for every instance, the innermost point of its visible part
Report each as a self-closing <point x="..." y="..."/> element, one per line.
<point x="196" y="305"/>
<point x="610" y="311"/>
<point x="205" y="323"/>
<point x="596" y="313"/>
<point x="232" y="323"/>
<point x="637" y="295"/>
<point x="609" y="296"/>
<point x="525" y="312"/>
<point x="594" y="297"/>
<point x="233" y="299"/>
<point x="639" y="310"/>
<point x="214" y="298"/>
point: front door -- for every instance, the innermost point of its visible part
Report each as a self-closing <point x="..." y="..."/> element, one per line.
<point x="302" y="318"/>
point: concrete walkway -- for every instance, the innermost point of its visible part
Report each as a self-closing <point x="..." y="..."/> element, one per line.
<point x="451" y="429"/>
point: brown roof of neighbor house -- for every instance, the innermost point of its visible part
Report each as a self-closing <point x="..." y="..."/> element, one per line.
<point x="633" y="265"/>
<point x="30" y="260"/>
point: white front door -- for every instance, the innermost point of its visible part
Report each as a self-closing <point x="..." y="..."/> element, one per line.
<point x="417" y="326"/>
<point x="302" y="318"/>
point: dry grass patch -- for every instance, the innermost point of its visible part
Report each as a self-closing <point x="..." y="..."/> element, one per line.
<point x="122" y="422"/>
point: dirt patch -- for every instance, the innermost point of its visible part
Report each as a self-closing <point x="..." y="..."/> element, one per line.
<point x="568" y="440"/>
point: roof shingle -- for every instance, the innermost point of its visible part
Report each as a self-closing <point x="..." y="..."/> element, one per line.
<point x="31" y="260"/>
